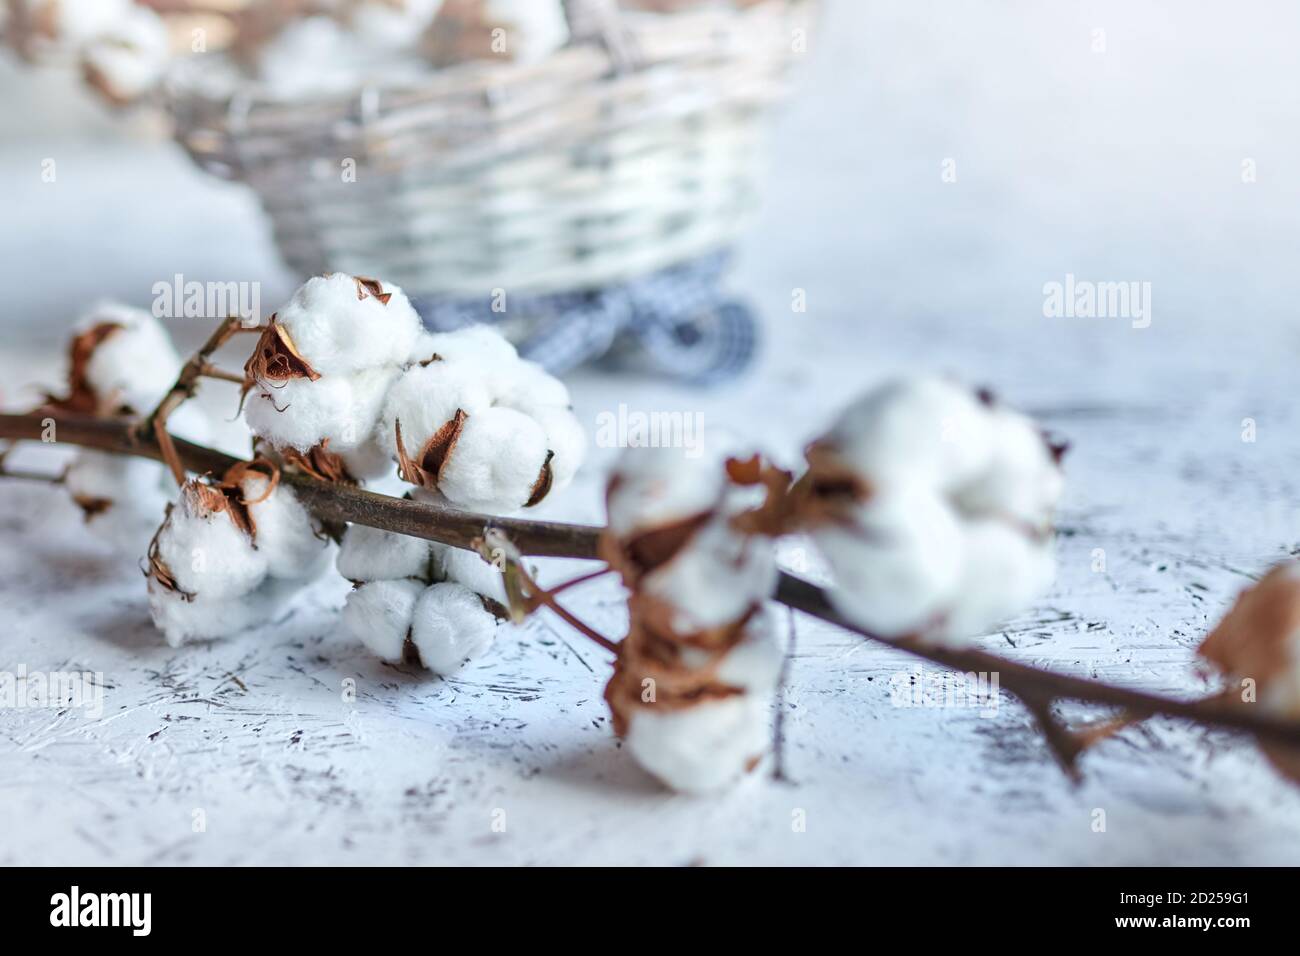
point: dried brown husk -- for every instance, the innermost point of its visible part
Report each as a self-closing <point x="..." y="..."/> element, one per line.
<point x="276" y="360"/>
<point x="652" y="651"/>
<point x="1251" y="640"/>
<point x="426" y="468"/>
<point x="320" y="463"/>
<point x="827" y="493"/>
<point x="366" y="286"/>
<point x="82" y="399"/>
<point x="157" y="568"/>
<point x="542" y="486"/>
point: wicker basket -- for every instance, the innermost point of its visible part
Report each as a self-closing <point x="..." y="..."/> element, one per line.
<point x="633" y="149"/>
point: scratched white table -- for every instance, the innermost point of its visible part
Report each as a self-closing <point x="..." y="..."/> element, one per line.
<point x="1126" y="165"/>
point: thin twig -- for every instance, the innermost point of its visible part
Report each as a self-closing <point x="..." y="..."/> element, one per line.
<point x="463" y="529"/>
<point x="186" y="385"/>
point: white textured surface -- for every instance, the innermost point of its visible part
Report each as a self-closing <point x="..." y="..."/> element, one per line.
<point x="1123" y="167"/>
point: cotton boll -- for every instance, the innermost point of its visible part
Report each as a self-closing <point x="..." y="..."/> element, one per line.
<point x="301" y="414"/>
<point x="702" y="748"/>
<point x="127" y="59"/>
<point x="534" y="28"/>
<point x="380" y="614"/>
<point x="496" y="463"/>
<point x="718" y="576"/>
<point x="204" y="617"/>
<point x="391" y="25"/>
<point x="371" y="554"/>
<point x="133" y="365"/>
<point x="754" y="664"/>
<point x="121" y="496"/>
<point x="287" y="536"/>
<point x="479" y="346"/>
<point x="924" y="430"/>
<point x="473" y="571"/>
<point x="206" y="553"/>
<point x="1022" y="481"/>
<point x="69" y="23"/>
<point x="340" y="324"/>
<point x="451" y="627"/>
<point x="427" y="397"/>
<point x="566" y="438"/>
<point x="654" y="487"/>
<point x="528" y="387"/>
<point x="899" y="562"/>
<point x="1004" y="570"/>
<point x="369" y="462"/>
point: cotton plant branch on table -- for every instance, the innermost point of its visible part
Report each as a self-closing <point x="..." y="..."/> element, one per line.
<point x="933" y="505"/>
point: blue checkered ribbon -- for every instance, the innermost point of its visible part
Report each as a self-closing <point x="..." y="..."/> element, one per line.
<point x="675" y="322"/>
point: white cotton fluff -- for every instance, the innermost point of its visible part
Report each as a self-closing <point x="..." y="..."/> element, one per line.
<point x="371" y="554"/>
<point x="953" y="531"/>
<point x="339" y="328"/>
<point x="1003" y="572"/>
<point x="711" y="744"/>
<point x="715" y="578"/>
<point x="924" y="430"/>
<point x="702" y="748"/>
<point x="566" y="438"/>
<point x="655" y="487"/>
<point x="1021" y="481"/>
<point x="380" y="614"/>
<point x="427" y="397"/>
<point x="127" y="59"/>
<point x="496" y="461"/>
<point x="516" y="419"/>
<point x="899" y="563"/>
<point x="472" y="570"/>
<point x="134" y="365"/>
<point x="204" y="617"/>
<point x="207" y="554"/>
<point x="533" y="28"/>
<point x="391" y="24"/>
<point x="451" y="627"/>
<point x="478" y="345"/>
<point x="288" y="538"/>
<point x="72" y="22"/>
<point x="124" y="496"/>
<point x="340" y="409"/>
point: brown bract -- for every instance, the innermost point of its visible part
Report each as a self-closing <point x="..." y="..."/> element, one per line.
<point x="82" y="399"/>
<point x="276" y="359"/>
<point x="652" y="654"/>
<point x="827" y="492"/>
<point x="1252" y="640"/>
<point x="320" y="463"/>
<point x="426" y="467"/>
<point x="679" y="670"/>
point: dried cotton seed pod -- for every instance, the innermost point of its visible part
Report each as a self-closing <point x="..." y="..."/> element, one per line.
<point x="1257" y="648"/>
<point x="693" y="683"/>
<point x="482" y="427"/>
<point x="228" y="554"/>
<point x="934" y="507"/>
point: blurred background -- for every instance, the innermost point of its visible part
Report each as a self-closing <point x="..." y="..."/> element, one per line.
<point x="1119" y="163"/>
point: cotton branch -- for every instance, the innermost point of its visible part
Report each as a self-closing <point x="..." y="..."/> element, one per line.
<point x="463" y="529"/>
<point x="199" y="366"/>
